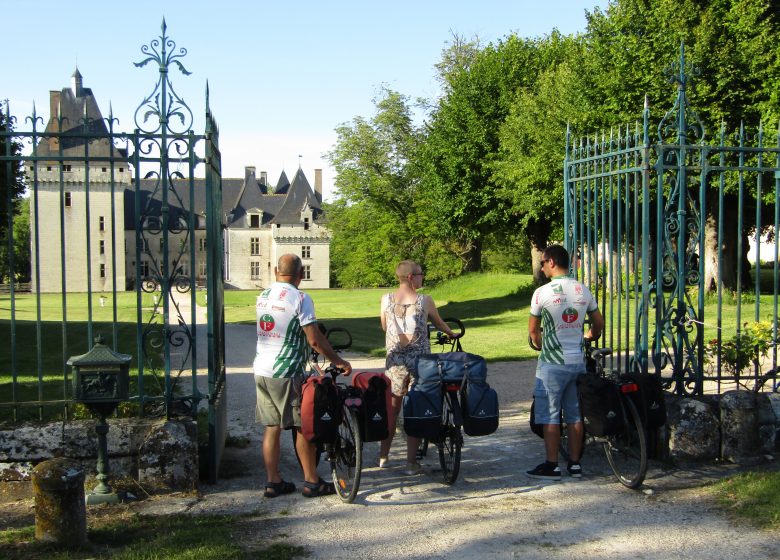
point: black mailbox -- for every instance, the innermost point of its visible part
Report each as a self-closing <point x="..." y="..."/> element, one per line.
<point x="101" y="375"/>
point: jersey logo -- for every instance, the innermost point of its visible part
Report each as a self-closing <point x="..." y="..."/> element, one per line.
<point x="577" y="289"/>
<point x="266" y="322"/>
<point x="569" y="315"/>
<point x="557" y="289"/>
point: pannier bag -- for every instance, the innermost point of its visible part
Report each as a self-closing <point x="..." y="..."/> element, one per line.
<point x="649" y="400"/>
<point x="601" y="408"/>
<point x="538" y="429"/>
<point x="479" y="403"/>
<point x="450" y="367"/>
<point x="422" y="411"/>
<point x="320" y="410"/>
<point x="374" y="412"/>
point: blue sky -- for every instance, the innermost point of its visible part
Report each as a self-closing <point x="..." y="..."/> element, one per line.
<point x="282" y="75"/>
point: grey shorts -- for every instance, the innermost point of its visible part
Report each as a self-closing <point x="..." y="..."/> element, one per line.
<point x="278" y="401"/>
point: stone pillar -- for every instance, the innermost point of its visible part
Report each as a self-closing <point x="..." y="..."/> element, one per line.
<point x="694" y="433"/>
<point x="60" y="510"/>
<point x="769" y="421"/>
<point x="168" y="458"/>
<point x="739" y="425"/>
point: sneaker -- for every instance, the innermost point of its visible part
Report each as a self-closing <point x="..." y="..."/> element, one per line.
<point x="545" y="471"/>
<point x="575" y="469"/>
<point x="413" y="469"/>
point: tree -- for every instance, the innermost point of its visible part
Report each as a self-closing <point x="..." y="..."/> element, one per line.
<point x="374" y="219"/>
<point x="462" y="142"/>
<point x="11" y="178"/>
<point x="21" y="245"/>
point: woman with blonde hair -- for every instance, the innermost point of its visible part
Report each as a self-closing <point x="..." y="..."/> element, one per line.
<point x="404" y="315"/>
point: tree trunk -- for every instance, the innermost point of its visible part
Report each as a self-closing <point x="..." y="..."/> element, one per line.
<point x="472" y="256"/>
<point x="536" y="256"/>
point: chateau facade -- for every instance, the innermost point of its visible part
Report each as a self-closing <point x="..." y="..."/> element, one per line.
<point x="93" y="204"/>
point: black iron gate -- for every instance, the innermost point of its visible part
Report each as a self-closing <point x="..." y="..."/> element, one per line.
<point x="123" y="239"/>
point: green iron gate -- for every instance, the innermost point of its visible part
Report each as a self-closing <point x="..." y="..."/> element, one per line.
<point x="661" y="223"/>
<point x="101" y="202"/>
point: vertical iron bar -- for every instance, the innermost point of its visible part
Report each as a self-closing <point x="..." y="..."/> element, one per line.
<point x="646" y="265"/>
<point x="112" y="190"/>
<point x="759" y="194"/>
<point x="139" y="331"/>
<point x="36" y="242"/>
<point x="11" y="264"/>
<point x="740" y="207"/>
<point x="721" y="189"/>
<point x="776" y="272"/>
<point x="63" y="245"/>
<point x="88" y="218"/>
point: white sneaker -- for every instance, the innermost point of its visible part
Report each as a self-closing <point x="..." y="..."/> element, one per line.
<point x="413" y="469"/>
<point x="383" y="462"/>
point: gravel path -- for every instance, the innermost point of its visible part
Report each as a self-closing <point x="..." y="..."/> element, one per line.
<point x="493" y="510"/>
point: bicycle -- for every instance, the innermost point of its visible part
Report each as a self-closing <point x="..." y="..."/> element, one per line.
<point x="345" y="454"/>
<point x="450" y="441"/>
<point x="626" y="451"/>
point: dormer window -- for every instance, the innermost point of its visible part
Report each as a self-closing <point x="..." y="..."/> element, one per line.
<point x="306" y="223"/>
<point x="254" y="220"/>
<point x="68" y="199"/>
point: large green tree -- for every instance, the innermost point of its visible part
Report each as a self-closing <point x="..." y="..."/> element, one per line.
<point x="374" y="218"/>
<point x="462" y="142"/>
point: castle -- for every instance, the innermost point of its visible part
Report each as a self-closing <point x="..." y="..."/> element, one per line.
<point x="86" y="192"/>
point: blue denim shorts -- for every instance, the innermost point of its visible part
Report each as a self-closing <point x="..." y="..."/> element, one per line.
<point x="556" y="390"/>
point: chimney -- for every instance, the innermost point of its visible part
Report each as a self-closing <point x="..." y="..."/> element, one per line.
<point x="249" y="175"/>
<point x="264" y="178"/>
<point x="318" y="184"/>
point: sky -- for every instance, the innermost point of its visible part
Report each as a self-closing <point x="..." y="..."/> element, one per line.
<point x="282" y="75"/>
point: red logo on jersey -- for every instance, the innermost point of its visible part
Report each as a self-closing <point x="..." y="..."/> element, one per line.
<point x="266" y="322"/>
<point x="569" y="315"/>
<point x="578" y="289"/>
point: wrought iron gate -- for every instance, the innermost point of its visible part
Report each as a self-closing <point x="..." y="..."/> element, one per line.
<point x="90" y="220"/>
<point x="639" y="211"/>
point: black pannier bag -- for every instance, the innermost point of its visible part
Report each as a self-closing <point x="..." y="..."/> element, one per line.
<point x="536" y="428"/>
<point x="422" y="411"/>
<point x="479" y="403"/>
<point x="601" y="408"/>
<point x="374" y="411"/>
<point x="321" y="411"/>
<point x="649" y="400"/>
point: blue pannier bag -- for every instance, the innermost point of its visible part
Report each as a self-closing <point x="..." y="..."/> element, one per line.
<point x="422" y="411"/>
<point x="479" y="403"/>
<point x="450" y="367"/>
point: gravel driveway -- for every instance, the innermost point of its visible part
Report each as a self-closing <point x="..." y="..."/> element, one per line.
<point x="493" y="510"/>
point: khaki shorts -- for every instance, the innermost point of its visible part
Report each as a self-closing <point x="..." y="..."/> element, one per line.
<point x="278" y="401"/>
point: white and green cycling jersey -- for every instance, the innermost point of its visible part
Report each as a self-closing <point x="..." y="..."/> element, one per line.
<point x="282" y="312"/>
<point x="562" y="304"/>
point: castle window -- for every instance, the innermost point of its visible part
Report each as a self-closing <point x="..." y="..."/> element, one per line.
<point x="48" y="168"/>
<point x="66" y="168"/>
<point x="102" y="248"/>
<point x="202" y="244"/>
<point x="254" y="270"/>
<point x="306" y="223"/>
<point x="144" y="269"/>
<point x="254" y="220"/>
<point x="254" y="246"/>
<point x="102" y="223"/>
<point x="121" y="169"/>
<point x="68" y="199"/>
<point x="306" y="252"/>
<point x="202" y="269"/>
<point x="105" y="169"/>
<point x="307" y="272"/>
<point x="102" y="269"/>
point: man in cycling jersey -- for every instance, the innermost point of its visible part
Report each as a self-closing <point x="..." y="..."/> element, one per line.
<point x="286" y="327"/>
<point x="558" y="311"/>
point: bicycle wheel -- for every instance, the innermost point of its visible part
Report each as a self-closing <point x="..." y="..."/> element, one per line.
<point x="627" y="452"/>
<point x="346" y="457"/>
<point x="451" y="442"/>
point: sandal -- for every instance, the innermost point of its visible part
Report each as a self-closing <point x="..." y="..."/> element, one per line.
<point x="317" y="489"/>
<point x="274" y="489"/>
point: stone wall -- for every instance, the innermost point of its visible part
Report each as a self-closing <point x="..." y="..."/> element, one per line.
<point x="734" y="426"/>
<point x="162" y="455"/>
